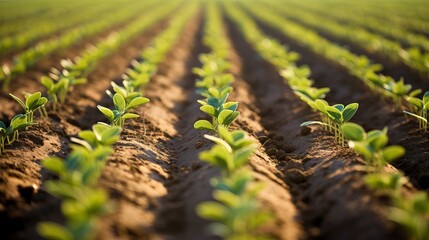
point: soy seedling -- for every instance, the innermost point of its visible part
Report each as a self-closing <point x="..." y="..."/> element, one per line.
<point x="32" y="103"/>
<point x="10" y="134"/>
<point x="333" y="116"/>
<point x="371" y="145"/>
<point x="236" y="213"/>
<point x="421" y="107"/>
<point x="223" y="113"/>
<point x="122" y="109"/>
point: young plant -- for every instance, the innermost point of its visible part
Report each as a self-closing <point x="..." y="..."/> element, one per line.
<point x="236" y="213"/>
<point x="78" y="173"/>
<point x="333" y="116"/>
<point x="412" y="213"/>
<point x="10" y="134"/>
<point x="371" y="145"/>
<point x="32" y="103"/>
<point x="122" y="109"/>
<point x="231" y="151"/>
<point x="223" y="113"/>
<point x="421" y="107"/>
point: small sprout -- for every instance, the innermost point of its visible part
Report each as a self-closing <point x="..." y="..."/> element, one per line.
<point x="32" y="103"/>
<point x="372" y="145"/>
<point x="333" y="117"/>
<point x="420" y="108"/>
<point x="122" y="109"/>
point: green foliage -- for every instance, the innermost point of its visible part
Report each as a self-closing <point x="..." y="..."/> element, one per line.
<point x="372" y="145"/>
<point x="412" y="213"/>
<point x="333" y="117"/>
<point x="78" y="174"/>
<point x="32" y="103"/>
<point x="231" y="151"/>
<point x="235" y="213"/>
<point x="420" y="109"/>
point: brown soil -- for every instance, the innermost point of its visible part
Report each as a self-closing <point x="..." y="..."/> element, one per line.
<point x="314" y="188"/>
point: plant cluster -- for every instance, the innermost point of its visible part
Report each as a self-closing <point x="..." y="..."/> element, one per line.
<point x="359" y="66"/>
<point x="82" y="201"/>
<point x="409" y="211"/>
<point x="420" y="110"/>
<point x="9" y="134"/>
<point x="129" y="96"/>
<point x="29" y="57"/>
<point x="59" y="83"/>
<point x="371" y="22"/>
<point x="236" y="213"/>
<point x="412" y="57"/>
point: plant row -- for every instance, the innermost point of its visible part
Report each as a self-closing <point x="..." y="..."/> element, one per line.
<point x="235" y="213"/>
<point x="29" y="57"/>
<point x="412" y="57"/>
<point x="10" y="134"/>
<point x="359" y="66"/>
<point x="29" y="36"/>
<point x="21" y="24"/>
<point x="83" y="203"/>
<point x="60" y="82"/>
<point x="403" y="35"/>
<point x="373" y="145"/>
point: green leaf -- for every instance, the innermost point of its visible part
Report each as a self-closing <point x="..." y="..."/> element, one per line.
<point x="130" y="115"/>
<point x="307" y="123"/>
<point x="391" y="153"/>
<point x="210" y="110"/>
<point x="416" y="102"/>
<point x="19" y="101"/>
<point x="138" y="101"/>
<point x="54" y="231"/>
<point x="32" y="100"/>
<point x="107" y="112"/>
<point x="349" y="111"/>
<point x="54" y="164"/>
<point x="223" y="115"/>
<point x="426" y="97"/>
<point x="220" y="142"/>
<point x="353" y="131"/>
<point x="416" y="116"/>
<point x="119" y="102"/>
<point x="334" y="113"/>
<point x="212" y="211"/>
<point x="362" y="149"/>
<point x="203" y="125"/>
<point x="231" y="118"/>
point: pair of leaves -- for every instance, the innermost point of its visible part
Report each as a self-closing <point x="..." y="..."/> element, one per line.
<point x="368" y="144"/>
<point x="32" y="101"/>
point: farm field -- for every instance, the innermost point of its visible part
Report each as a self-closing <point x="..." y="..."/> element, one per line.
<point x="199" y="119"/>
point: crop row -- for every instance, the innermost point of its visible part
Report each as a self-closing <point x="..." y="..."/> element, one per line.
<point x="236" y="213"/>
<point x="398" y="33"/>
<point x="26" y="38"/>
<point x="44" y="16"/>
<point x="29" y="57"/>
<point x="359" y="66"/>
<point x="83" y="203"/>
<point x="372" y="146"/>
<point x="412" y="57"/>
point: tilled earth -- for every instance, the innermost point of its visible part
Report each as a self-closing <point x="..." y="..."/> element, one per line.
<point x="313" y="187"/>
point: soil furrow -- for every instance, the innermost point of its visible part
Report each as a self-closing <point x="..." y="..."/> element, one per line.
<point x="30" y="80"/>
<point x="51" y="137"/>
<point x="373" y="113"/>
<point x="331" y="205"/>
<point x="136" y="175"/>
<point x="391" y="67"/>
